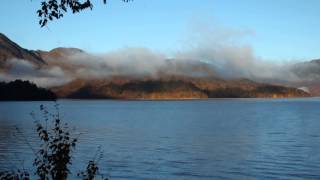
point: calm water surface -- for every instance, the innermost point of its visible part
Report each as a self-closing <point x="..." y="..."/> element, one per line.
<point x="205" y="139"/>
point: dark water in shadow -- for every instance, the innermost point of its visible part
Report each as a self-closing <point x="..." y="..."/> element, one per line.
<point x="209" y="139"/>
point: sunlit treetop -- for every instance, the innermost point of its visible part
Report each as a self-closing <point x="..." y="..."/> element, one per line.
<point x="55" y="9"/>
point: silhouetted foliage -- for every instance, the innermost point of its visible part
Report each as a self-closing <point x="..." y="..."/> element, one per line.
<point x="53" y="158"/>
<point x="54" y="155"/>
<point x="55" y="9"/>
<point x="24" y="90"/>
<point x="90" y="172"/>
<point x="92" y="169"/>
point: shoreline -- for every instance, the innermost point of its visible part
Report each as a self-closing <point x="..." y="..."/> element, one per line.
<point x="163" y="99"/>
<point x="183" y="99"/>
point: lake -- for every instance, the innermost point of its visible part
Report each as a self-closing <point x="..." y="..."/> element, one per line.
<point x="191" y="139"/>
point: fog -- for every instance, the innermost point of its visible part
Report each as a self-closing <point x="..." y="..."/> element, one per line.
<point x="45" y="76"/>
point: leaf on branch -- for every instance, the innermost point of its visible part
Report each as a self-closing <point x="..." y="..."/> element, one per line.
<point x="54" y="9"/>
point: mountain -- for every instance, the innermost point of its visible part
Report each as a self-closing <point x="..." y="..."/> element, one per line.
<point x="58" y="57"/>
<point x="91" y="76"/>
<point x="10" y="50"/>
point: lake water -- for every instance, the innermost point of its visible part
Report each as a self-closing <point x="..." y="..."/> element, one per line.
<point x="196" y="139"/>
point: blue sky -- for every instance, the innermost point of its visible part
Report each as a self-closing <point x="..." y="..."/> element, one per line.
<point x="280" y="29"/>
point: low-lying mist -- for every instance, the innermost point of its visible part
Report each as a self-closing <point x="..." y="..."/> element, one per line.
<point x="214" y="52"/>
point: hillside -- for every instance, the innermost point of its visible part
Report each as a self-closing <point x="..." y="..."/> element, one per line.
<point x="172" y="89"/>
<point x="10" y="50"/>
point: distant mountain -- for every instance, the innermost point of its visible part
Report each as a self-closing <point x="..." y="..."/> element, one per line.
<point x="24" y="90"/>
<point x="10" y="50"/>
<point x="173" y="88"/>
<point x="308" y="74"/>
<point x="59" y="53"/>
<point x="308" y="71"/>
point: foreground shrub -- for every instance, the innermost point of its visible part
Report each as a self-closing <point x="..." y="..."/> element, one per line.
<point x="53" y="158"/>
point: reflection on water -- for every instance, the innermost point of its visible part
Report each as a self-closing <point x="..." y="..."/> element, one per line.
<point x="205" y="139"/>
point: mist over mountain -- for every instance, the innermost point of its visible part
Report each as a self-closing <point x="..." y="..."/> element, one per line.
<point x="143" y="73"/>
